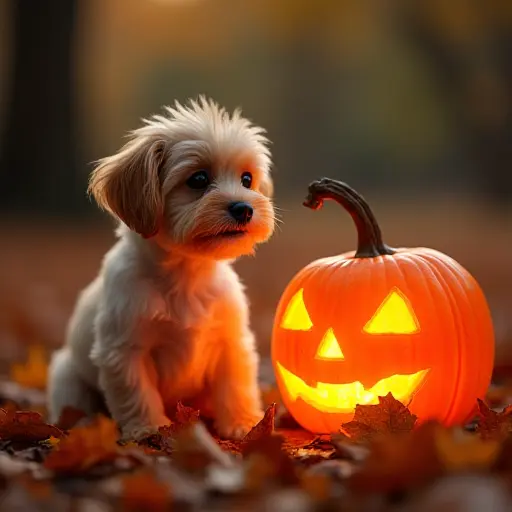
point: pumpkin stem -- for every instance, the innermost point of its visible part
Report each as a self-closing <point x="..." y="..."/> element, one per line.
<point x="369" y="244"/>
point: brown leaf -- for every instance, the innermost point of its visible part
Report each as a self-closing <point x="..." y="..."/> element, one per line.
<point x="69" y="417"/>
<point x="317" y="485"/>
<point x="296" y="439"/>
<point x="267" y="463"/>
<point x="492" y="424"/>
<point x="503" y="463"/>
<point x="142" y="491"/>
<point x="193" y="448"/>
<point x="85" y="447"/>
<point x="459" y="450"/>
<point x="25" y="426"/>
<point x="346" y="449"/>
<point x="399" y="461"/>
<point x="388" y="416"/>
<point x="185" y="416"/>
<point x="264" y="427"/>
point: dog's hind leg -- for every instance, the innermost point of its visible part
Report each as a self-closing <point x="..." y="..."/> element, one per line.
<point x="67" y="388"/>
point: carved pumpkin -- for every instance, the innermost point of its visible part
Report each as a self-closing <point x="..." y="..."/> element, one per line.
<point x="356" y="326"/>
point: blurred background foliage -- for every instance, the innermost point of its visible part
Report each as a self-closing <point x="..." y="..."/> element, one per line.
<point x="410" y="102"/>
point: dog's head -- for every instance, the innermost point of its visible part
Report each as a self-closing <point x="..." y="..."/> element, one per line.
<point x="197" y="179"/>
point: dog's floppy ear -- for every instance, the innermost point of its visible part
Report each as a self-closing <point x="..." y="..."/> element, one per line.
<point x="127" y="184"/>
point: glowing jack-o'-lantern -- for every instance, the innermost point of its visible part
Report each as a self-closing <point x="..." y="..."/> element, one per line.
<point x="356" y="326"/>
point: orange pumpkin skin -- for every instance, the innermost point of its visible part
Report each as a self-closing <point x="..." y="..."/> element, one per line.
<point x="437" y="326"/>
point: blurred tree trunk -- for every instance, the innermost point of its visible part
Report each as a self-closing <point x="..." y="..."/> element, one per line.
<point x="38" y="164"/>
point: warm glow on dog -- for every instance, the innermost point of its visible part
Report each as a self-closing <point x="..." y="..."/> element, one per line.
<point x="167" y="318"/>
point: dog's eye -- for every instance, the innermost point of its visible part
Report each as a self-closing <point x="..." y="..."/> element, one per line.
<point x="246" y="179"/>
<point x="199" y="180"/>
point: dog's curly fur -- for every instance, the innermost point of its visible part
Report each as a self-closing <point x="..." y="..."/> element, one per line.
<point x="167" y="318"/>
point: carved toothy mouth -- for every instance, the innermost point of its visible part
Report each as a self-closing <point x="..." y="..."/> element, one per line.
<point x="343" y="398"/>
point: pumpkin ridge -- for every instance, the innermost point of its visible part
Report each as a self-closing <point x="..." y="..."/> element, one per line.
<point x="438" y="266"/>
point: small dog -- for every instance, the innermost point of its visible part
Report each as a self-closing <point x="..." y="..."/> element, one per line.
<point x="167" y="317"/>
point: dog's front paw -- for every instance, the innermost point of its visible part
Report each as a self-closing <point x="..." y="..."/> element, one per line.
<point x="237" y="429"/>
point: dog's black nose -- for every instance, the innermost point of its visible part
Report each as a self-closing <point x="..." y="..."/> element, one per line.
<point x="241" y="212"/>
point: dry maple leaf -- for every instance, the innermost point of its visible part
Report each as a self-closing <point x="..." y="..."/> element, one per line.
<point x="85" y="447"/>
<point x="266" y="461"/>
<point x="34" y="372"/>
<point x="388" y="416"/>
<point x="459" y="450"/>
<point x="317" y="485"/>
<point x="193" y="448"/>
<point x="69" y="417"/>
<point x="264" y="427"/>
<point x="492" y="424"/>
<point x="142" y="491"/>
<point x="184" y="417"/>
<point x="399" y="461"/>
<point x="25" y="426"/>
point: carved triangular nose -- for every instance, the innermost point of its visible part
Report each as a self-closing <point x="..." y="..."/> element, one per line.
<point x="329" y="347"/>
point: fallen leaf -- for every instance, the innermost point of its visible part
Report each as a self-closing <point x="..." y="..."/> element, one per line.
<point x="85" y="447"/>
<point x="185" y="416"/>
<point x="193" y="448"/>
<point x="459" y="450"/>
<point x="503" y="463"/>
<point x="492" y="424"/>
<point x="349" y="450"/>
<point x="388" y="416"/>
<point x="220" y="479"/>
<point x="264" y="427"/>
<point x="297" y="439"/>
<point x="317" y="485"/>
<point x="25" y="426"/>
<point x="464" y="492"/>
<point x="142" y="491"/>
<point x="69" y="417"/>
<point x="399" y="461"/>
<point x="266" y="461"/>
<point x="335" y="469"/>
<point x="39" y="489"/>
<point x="34" y="372"/>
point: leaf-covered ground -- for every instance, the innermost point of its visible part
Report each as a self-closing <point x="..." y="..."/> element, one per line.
<point x="382" y="460"/>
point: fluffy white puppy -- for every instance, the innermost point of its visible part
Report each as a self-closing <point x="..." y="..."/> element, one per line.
<point x="167" y="317"/>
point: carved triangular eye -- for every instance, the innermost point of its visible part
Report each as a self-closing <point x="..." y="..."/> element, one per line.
<point x="296" y="316"/>
<point x="329" y="347"/>
<point x="394" y="316"/>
